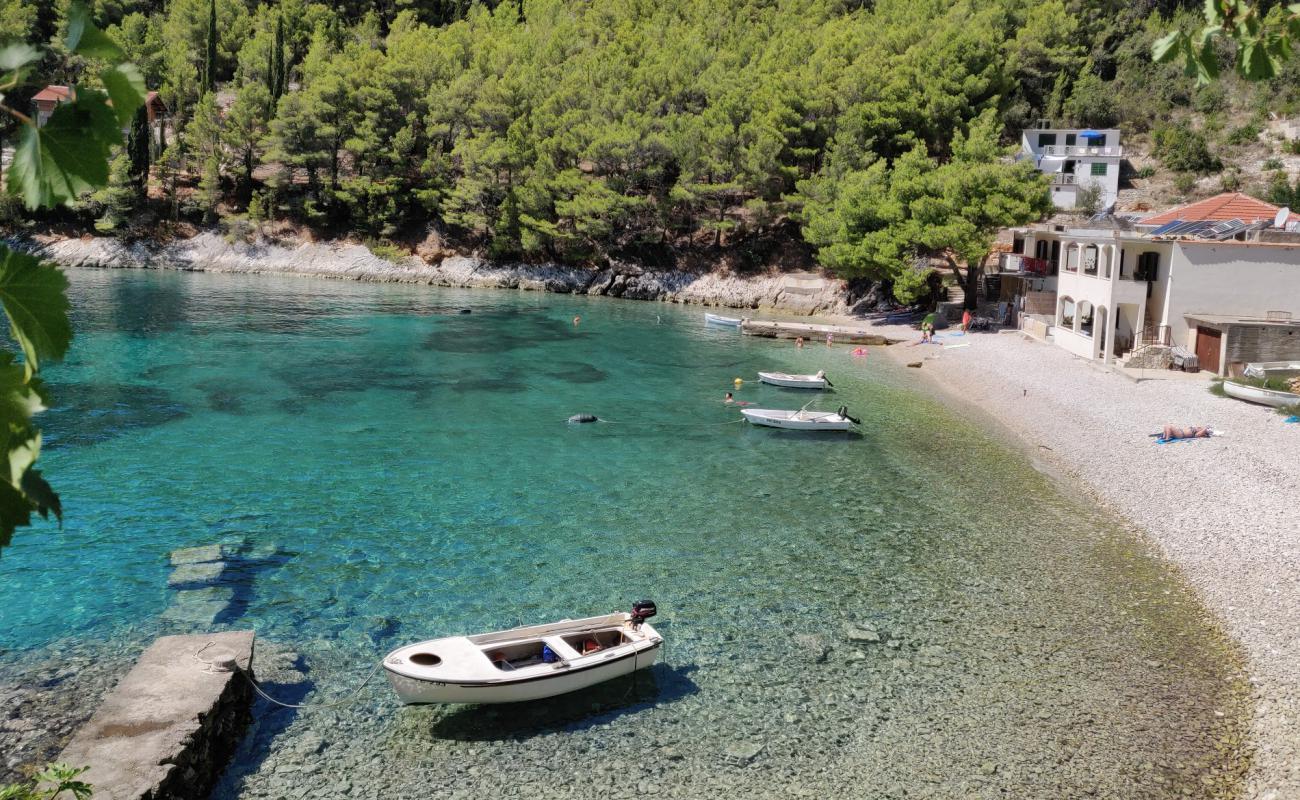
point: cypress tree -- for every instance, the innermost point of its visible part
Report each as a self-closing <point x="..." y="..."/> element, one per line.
<point x="277" y="60"/>
<point x="210" y="62"/>
<point x="137" y="149"/>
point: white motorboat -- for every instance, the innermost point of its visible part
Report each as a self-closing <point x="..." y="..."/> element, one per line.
<point x="1258" y="394"/>
<point x="802" y="420"/>
<point x="525" y="663"/>
<point x="718" y="319"/>
<point x="817" y="381"/>
<point x="1272" y="369"/>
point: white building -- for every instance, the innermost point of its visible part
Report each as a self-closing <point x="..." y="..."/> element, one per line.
<point x="1075" y="158"/>
<point x="1225" y="286"/>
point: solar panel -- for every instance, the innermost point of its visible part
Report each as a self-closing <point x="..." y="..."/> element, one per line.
<point x="1164" y="228"/>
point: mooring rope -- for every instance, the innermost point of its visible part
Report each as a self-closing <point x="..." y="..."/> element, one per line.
<point x="668" y="424"/>
<point x="231" y="665"/>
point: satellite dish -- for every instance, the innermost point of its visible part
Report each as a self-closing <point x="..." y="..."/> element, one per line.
<point x="1279" y="221"/>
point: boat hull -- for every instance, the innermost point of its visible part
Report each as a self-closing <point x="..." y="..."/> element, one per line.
<point x="561" y="681"/>
<point x="725" y="322"/>
<point x="792" y="381"/>
<point x="818" y="422"/>
<point x="1256" y="394"/>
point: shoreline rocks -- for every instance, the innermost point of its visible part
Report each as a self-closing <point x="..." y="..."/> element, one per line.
<point x="796" y="293"/>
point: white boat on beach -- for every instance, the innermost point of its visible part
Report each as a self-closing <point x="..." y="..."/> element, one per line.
<point x="1258" y="394"/>
<point x="1272" y="369"/>
<point x="526" y="663"/>
<point x="718" y="319"/>
<point x="801" y="420"/>
<point x="817" y="381"/>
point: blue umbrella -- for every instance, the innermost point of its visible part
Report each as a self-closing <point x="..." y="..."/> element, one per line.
<point x="1091" y="134"/>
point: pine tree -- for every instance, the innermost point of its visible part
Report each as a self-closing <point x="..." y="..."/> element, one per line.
<point x="138" y="145"/>
<point x="210" y="62"/>
<point x="278" y="79"/>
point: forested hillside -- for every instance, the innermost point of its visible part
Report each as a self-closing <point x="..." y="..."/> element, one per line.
<point x="640" y="129"/>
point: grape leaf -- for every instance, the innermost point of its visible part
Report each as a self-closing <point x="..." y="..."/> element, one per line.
<point x="42" y="495"/>
<point x="1166" y="47"/>
<point x="84" y="39"/>
<point x="33" y="296"/>
<point x="125" y="87"/>
<point x="67" y="156"/>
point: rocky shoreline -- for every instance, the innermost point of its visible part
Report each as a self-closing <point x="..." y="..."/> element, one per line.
<point x="792" y="293"/>
<point x="1221" y="510"/>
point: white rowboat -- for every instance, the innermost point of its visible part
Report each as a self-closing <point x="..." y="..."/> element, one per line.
<point x="508" y="666"/>
<point x="1256" y="394"/>
<point x="801" y="420"/>
<point x="718" y="319"/>
<point x="817" y="381"/>
<point x="1272" y="369"/>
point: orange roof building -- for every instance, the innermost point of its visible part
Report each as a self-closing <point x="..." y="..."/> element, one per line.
<point x="1220" y="208"/>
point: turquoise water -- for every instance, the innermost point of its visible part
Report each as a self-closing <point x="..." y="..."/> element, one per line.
<point x="381" y="469"/>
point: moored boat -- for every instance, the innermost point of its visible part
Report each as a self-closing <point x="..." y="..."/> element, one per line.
<point x="802" y="419"/>
<point x="1272" y="369"/>
<point x="526" y="663"/>
<point x="1258" y="394"/>
<point x="718" y="319"/>
<point x="817" y="381"/>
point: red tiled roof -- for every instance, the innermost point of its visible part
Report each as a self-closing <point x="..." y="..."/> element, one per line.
<point x="53" y="94"/>
<point x="1230" y="205"/>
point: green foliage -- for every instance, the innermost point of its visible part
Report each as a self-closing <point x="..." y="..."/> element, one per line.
<point x="1183" y="149"/>
<point x="55" y="163"/>
<point x="139" y="144"/>
<point x="1261" y="43"/>
<point x="1271" y="164"/>
<point x="50" y="784"/>
<point x="1087" y="198"/>
<point x="1184" y="182"/>
<point x="1245" y="134"/>
<point x="1280" y="192"/>
<point x="912" y="283"/>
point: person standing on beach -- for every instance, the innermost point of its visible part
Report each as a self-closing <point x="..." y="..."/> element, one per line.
<point x="830" y="338"/>
<point x="965" y="321"/>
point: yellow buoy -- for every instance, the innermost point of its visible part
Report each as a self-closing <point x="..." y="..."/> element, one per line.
<point x="738" y="381"/>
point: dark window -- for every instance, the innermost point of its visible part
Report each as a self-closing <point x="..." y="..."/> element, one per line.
<point x="1099" y="168"/>
<point x="1018" y="246"/>
<point x="1148" y="267"/>
<point x="1045" y="139"/>
<point x="1068" y="169"/>
<point x="1070" y="139"/>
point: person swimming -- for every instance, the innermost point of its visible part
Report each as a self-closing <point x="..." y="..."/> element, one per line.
<point x="577" y="320"/>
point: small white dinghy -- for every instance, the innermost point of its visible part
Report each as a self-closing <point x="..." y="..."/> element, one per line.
<point x="817" y="381"/>
<point x="802" y="420"/>
<point x="1258" y="394"/>
<point x="525" y="663"/>
<point x="726" y="322"/>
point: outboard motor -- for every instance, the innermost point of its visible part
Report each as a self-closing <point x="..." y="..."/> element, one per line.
<point x="844" y="412"/>
<point x="642" y="610"/>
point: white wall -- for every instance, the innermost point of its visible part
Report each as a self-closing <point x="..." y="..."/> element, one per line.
<point x="1236" y="279"/>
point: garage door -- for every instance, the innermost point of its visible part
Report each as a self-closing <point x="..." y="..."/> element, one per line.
<point x="1207" y="348"/>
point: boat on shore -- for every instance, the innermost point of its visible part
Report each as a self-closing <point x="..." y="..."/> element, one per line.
<point x="817" y="381"/>
<point x="802" y="419"/>
<point x="1272" y="369"/>
<point x="527" y="663"/>
<point x="725" y="322"/>
<point x="1260" y="395"/>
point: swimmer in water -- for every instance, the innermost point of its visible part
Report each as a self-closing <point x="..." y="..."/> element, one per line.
<point x="798" y="342"/>
<point x="729" y="398"/>
<point x="860" y="351"/>
<point x="577" y="321"/>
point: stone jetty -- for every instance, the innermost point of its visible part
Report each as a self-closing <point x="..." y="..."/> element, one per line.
<point x="842" y="334"/>
<point x="169" y="727"/>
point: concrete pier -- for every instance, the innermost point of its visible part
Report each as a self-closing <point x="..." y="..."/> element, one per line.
<point x="169" y="727"/>
<point x="814" y="334"/>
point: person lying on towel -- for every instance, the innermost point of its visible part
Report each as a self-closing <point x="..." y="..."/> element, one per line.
<point x="1172" y="432"/>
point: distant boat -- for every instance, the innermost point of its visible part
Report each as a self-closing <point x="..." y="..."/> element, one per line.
<point x="525" y="663"/>
<point x="801" y="420"/>
<point x="1258" y="394"/>
<point x="718" y="319"/>
<point x="817" y="381"/>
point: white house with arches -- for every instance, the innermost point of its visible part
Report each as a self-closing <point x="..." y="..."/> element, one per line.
<point x="1226" y="289"/>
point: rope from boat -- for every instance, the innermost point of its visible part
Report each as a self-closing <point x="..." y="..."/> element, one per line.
<point x="671" y="424"/>
<point x="234" y="667"/>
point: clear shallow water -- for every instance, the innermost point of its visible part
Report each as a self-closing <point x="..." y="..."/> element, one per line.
<point x="382" y="469"/>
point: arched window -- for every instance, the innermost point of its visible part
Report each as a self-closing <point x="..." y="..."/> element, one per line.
<point x="1065" y="312"/>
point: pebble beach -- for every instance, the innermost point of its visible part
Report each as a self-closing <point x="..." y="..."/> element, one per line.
<point x="1222" y="510"/>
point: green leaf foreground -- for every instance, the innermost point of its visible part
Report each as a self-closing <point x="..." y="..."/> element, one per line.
<point x="1263" y="43"/>
<point x="58" y="162"/>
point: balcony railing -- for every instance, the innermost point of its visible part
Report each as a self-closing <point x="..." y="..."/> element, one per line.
<point x="1014" y="262"/>
<point x="1063" y="178"/>
<point x="1073" y="150"/>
